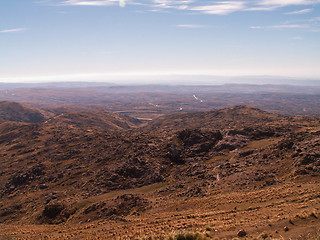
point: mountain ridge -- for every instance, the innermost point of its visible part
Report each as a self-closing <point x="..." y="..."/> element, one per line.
<point x="110" y="169"/>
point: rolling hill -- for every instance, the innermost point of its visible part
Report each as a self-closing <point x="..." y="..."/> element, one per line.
<point x="12" y="111"/>
<point x="99" y="174"/>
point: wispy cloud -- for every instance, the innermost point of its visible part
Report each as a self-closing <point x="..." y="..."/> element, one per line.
<point x="282" y="26"/>
<point x="225" y="7"/>
<point x="90" y="3"/>
<point x="217" y="7"/>
<point x="300" y="11"/>
<point x="255" y="27"/>
<point x="174" y="4"/>
<point x="269" y="5"/>
<point x="288" y="2"/>
<point x="260" y="8"/>
<point x="190" y="26"/>
<point x="221" y="8"/>
<point x="12" y="30"/>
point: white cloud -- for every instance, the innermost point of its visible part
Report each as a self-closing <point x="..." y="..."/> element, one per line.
<point x="190" y="26"/>
<point x="90" y="3"/>
<point x="156" y="4"/>
<point x="218" y="7"/>
<point x="174" y="4"/>
<point x="288" y="2"/>
<point x="269" y="5"/>
<point x="261" y="8"/>
<point x="255" y="27"/>
<point x="300" y="11"/>
<point x="12" y="30"/>
<point x="282" y="26"/>
<point x="221" y="8"/>
<point x="225" y="7"/>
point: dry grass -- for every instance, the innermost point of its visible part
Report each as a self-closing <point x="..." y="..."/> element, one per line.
<point x="188" y="236"/>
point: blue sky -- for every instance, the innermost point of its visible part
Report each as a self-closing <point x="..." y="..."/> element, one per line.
<point x="101" y="39"/>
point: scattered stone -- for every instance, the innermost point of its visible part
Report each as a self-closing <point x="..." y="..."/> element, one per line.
<point x="43" y="186"/>
<point x="242" y="233"/>
<point x="286" y="229"/>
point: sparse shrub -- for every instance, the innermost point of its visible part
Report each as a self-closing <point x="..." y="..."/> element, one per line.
<point x="263" y="236"/>
<point x="55" y="214"/>
<point x="313" y="215"/>
<point x="305" y="215"/>
<point x="316" y="236"/>
<point x="51" y="211"/>
<point x="188" y="236"/>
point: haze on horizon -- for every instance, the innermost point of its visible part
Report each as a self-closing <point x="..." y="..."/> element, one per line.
<point x="103" y="39"/>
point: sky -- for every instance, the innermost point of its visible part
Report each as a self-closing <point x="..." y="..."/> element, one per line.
<point x="96" y="40"/>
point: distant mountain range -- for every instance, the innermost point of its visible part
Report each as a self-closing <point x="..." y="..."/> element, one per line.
<point x="185" y="80"/>
<point x="149" y="101"/>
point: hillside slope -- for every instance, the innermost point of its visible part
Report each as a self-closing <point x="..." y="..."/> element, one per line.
<point x="192" y="170"/>
<point x="97" y="119"/>
<point x="12" y="111"/>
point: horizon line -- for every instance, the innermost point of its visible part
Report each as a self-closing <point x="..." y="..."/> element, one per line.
<point x="131" y="77"/>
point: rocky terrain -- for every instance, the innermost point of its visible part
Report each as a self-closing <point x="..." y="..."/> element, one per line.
<point x="104" y="175"/>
